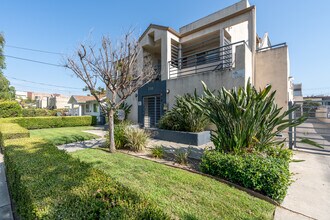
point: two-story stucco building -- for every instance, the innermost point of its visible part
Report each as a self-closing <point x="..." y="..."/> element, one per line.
<point x="221" y="49"/>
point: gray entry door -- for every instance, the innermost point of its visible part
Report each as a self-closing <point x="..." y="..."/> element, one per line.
<point x="151" y="107"/>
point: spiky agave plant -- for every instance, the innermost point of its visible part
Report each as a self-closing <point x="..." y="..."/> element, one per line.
<point x="246" y="119"/>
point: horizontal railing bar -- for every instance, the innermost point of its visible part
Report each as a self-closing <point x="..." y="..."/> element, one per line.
<point x="312" y="112"/>
<point x="195" y="57"/>
<point x="316" y="148"/>
<point x="316" y="123"/>
<point x="200" y="58"/>
<point x="272" y="47"/>
<point x="228" y="46"/>
<point x="175" y="69"/>
<point x="310" y="134"/>
<point x="193" y="71"/>
<point x="183" y="67"/>
<point x="311" y="138"/>
<point x="313" y="128"/>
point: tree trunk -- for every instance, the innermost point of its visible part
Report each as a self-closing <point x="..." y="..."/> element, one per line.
<point x="112" y="146"/>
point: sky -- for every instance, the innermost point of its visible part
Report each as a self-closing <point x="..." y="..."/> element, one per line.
<point x="59" y="26"/>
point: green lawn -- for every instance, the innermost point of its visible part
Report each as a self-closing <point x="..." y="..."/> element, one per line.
<point x="64" y="135"/>
<point x="182" y="194"/>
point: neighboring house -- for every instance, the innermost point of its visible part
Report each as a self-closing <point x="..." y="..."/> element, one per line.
<point x="41" y="101"/>
<point x="321" y="100"/>
<point x="221" y="49"/>
<point x="297" y="93"/>
<point x="58" y="101"/>
<point x="21" y="95"/>
<point x="40" y="98"/>
<point x="85" y="105"/>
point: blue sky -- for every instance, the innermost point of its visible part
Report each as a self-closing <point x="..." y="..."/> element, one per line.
<point x="61" y="25"/>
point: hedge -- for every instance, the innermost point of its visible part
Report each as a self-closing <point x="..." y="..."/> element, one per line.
<point x="267" y="175"/>
<point x="37" y="112"/>
<point x="12" y="131"/>
<point x="10" y="109"/>
<point x="51" y="122"/>
<point x="47" y="183"/>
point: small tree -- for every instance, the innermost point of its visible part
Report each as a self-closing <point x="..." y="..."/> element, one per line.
<point x="117" y="67"/>
<point x="7" y="92"/>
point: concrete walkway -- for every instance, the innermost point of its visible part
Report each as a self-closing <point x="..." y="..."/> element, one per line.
<point x="5" y="205"/>
<point x="82" y="145"/>
<point x="309" y="194"/>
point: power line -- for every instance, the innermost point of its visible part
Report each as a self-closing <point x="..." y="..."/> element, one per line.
<point x="45" y="84"/>
<point x="35" y="61"/>
<point x="35" y="50"/>
<point x="43" y="89"/>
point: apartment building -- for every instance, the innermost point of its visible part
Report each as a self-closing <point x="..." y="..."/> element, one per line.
<point x="221" y="49"/>
<point x="58" y="101"/>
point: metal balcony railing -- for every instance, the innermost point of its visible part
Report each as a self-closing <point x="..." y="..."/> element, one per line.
<point x="220" y="58"/>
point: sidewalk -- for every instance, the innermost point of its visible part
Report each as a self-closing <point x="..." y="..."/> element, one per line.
<point x="5" y="206"/>
<point x="81" y="145"/>
<point x="310" y="192"/>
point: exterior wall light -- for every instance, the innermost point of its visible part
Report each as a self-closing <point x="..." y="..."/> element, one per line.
<point x="167" y="91"/>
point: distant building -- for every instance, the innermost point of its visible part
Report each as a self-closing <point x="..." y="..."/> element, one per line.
<point x="85" y="105"/>
<point x="57" y="101"/>
<point x="322" y="100"/>
<point x="45" y="100"/>
<point x="21" y="95"/>
<point x="297" y="93"/>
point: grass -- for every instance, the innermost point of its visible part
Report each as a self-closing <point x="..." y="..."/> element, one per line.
<point x="64" y="135"/>
<point x="182" y="194"/>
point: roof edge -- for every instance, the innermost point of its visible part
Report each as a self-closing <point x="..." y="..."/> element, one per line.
<point x="160" y="27"/>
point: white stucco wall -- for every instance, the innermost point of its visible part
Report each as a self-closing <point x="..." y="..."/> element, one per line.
<point x="272" y="67"/>
<point x="132" y="100"/>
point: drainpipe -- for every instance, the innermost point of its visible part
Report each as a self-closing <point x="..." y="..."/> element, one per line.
<point x="179" y="56"/>
<point x="222" y="43"/>
<point x="253" y="42"/>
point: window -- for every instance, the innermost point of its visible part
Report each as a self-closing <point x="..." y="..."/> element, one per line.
<point x="87" y="108"/>
<point x="95" y="107"/>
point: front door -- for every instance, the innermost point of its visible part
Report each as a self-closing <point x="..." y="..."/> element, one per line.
<point x="151" y="110"/>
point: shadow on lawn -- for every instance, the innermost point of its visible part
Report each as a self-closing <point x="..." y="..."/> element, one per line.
<point x="70" y="139"/>
<point x="55" y="184"/>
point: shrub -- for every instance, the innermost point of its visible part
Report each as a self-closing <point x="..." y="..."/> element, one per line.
<point x="246" y="119"/>
<point x="37" y="112"/>
<point x="158" y="152"/>
<point x="119" y="133"/>
<point x="136" y="138"/>
<point x="10" y="109"/>
<point x="127" y="137"/>
<point x="47" y="183"/>
<point x="50" y="122"/>
<point x="267" y="175"/>
<point x="279" y="152"/>
<point x="181" y="156"/>
<point x="184" y="116"/>
<point x="12" y="131"/>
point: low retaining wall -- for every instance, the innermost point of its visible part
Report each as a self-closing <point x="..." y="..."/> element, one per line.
<point x="191" y="138"/>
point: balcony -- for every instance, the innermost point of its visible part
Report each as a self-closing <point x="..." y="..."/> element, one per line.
<point x="216" y="59"/>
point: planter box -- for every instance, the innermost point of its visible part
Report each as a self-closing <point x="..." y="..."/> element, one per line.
<point x="191" y="138"/>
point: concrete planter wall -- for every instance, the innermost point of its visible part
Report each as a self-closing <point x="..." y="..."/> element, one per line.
<point x="191" y="138"/>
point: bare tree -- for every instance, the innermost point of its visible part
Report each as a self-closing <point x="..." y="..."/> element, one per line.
<point x="116" y="66"/>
